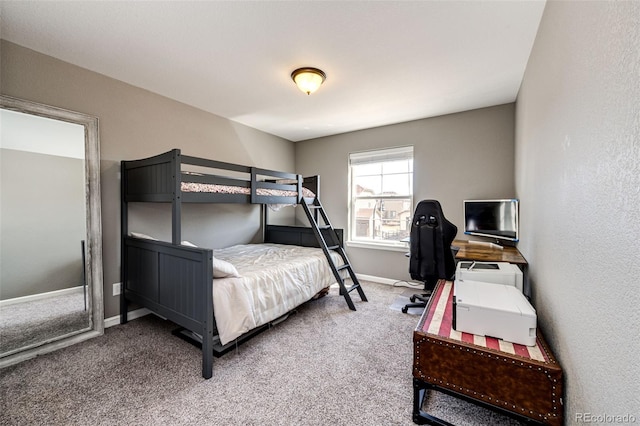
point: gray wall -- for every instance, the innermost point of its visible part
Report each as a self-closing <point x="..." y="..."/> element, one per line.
<point x="457" y="156"/>
<point x="43" y="222"/>
<point x="578" y="176"/>
<point x="135" y="123"/>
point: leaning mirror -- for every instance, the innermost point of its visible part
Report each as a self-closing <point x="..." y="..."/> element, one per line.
<point x="50" y="229"/>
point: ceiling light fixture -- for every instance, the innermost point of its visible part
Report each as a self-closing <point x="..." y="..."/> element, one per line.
<point x="308" y="79"/>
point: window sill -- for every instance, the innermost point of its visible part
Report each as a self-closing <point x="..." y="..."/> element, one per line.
<point x="362" y="244"/>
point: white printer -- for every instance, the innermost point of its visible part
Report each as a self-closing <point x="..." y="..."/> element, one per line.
<point x="490" y="272"/>
<point x="496" y="310"/>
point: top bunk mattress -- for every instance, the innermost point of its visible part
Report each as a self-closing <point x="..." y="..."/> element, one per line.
<point x="272" y="280"/>
<point x="229" y="189"/>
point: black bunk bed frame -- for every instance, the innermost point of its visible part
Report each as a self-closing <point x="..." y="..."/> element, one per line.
<point x="175" y="281"/>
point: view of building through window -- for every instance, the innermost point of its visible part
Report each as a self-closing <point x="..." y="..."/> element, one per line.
<point x="381" y="195"/>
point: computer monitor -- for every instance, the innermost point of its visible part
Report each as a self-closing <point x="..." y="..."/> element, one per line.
<point x="492" y="218"/>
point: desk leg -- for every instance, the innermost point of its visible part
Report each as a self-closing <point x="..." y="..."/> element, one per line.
<point x="421" y="417"/>
<point x="526" y="285"/>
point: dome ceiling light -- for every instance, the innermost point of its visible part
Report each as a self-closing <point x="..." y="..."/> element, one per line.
<point x="308" y="79"/>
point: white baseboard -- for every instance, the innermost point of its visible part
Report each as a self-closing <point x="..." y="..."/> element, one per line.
<point x="110" y="322"/>
<point x="40" y="296"/>
<point x="389" y="281"/>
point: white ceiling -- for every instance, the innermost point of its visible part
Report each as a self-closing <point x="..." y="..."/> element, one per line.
<point x="386" y="61"/>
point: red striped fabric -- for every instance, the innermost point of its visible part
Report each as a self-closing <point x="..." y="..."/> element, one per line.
<point x="439" y="321"/>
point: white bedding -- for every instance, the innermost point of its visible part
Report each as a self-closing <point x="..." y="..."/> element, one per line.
<point x="274" y="280"/>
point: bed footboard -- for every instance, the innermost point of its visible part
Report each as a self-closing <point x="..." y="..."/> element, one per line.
<point x="176" y="283"/>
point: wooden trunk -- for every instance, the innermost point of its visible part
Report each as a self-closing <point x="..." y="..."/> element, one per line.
<point x="522" y="381"/>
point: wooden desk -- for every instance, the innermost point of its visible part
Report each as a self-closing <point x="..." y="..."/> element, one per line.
<point x="485" y="253"/>
<point x="522" y="381"/>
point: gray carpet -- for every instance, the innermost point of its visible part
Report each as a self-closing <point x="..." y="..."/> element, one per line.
<point x="33" y="322"/>
<point x="323" y="365"/>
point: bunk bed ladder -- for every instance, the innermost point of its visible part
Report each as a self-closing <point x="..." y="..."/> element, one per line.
<point x="312" y="210"/>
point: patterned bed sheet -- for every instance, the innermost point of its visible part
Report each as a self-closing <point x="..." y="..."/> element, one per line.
<point x="274" y="280"/>
<point x="228" y="189"/>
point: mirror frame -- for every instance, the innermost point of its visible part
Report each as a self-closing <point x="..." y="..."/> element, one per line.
<point x="93" y="261"/>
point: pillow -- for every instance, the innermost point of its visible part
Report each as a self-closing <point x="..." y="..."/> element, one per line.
<point x="144" y="236"/>
<point x="224" y="269"/>
<point x="221" y="268"/>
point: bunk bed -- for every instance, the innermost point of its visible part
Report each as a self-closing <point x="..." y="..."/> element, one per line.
<point x="199" y="291"/>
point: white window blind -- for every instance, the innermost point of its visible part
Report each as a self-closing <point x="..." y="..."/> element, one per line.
<point x="378" y="156"/>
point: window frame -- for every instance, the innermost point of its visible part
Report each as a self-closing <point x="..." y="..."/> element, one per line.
<point x="378" y="156"/>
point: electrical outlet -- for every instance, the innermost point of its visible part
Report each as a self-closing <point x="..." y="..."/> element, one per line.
<point x="117" y="289"/>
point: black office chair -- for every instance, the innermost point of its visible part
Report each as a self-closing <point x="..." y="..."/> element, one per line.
<point x="431" y="255"/>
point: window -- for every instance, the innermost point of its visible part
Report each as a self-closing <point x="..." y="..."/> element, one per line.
<point x="381" y="191"/>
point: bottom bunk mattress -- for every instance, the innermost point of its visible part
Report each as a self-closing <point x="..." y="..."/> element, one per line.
<point x="264" y="282"/>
